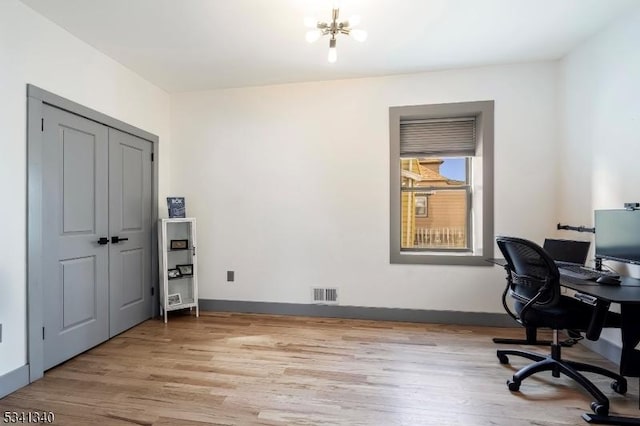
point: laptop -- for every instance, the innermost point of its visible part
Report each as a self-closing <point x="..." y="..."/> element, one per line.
<point x="567" y="252"/>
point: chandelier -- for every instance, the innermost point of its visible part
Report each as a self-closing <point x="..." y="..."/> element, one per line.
<point x="332" y="29"/>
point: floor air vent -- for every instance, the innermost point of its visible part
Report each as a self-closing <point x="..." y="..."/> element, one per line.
<point x="325" y="295"/>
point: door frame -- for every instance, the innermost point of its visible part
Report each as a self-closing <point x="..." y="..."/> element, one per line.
<point x="36" y="98"/>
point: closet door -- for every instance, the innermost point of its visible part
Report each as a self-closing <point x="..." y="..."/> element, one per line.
<point x="129" y="228"/>
<point x="75" y="230"/>
<point x="96" y="233"/>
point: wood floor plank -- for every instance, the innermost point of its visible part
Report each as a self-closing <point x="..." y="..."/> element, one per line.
<point x="243" y="369"/>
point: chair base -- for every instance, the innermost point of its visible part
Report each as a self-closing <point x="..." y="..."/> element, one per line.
<point x="571" y="369"/>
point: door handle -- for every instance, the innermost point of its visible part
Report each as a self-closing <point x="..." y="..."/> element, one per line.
<point x="103" y="240"/>
<point x="118" y="239"/>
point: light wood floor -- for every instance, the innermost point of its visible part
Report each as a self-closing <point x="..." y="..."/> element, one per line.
<point x="241" y="369"/>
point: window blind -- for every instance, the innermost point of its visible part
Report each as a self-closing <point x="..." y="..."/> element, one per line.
<point x="455" y="137"/>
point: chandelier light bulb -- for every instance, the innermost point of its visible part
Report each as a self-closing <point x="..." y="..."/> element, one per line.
<point x="312" y="35"/>
<point x="359" y="35"/>
<point x="332" y="57"/>
<point x="310" y="22"/>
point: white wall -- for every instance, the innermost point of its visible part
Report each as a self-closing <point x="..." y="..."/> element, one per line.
<point x="34" y="50"/>
<point x="599" y="93"/>
<point x="600" y="116"/>
<point x="290" y="184"/>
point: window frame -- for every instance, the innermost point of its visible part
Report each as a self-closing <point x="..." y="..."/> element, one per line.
<point x="483" y="111"/>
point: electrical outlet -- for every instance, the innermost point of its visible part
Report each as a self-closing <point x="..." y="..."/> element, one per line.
<point x="230" y="276"/>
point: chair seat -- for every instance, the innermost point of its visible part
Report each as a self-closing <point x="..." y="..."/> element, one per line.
<point x="569" y="313"/>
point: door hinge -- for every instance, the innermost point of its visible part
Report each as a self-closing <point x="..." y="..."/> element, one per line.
<point x="42" y="333"/>
<point x="152" y="156"/>
<point x="153" y="291"/>
<point x="42" y="124"/>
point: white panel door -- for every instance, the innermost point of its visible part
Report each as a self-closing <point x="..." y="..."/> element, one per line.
<point x="76" y="260"/>
<point x="129" y="229"/>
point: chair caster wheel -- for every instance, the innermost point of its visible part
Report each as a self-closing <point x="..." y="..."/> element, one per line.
<point x="503" y="359"/>
<point x="513" y="385"/>
<point x="619" y="386"/>
<point x="600" y="409"/>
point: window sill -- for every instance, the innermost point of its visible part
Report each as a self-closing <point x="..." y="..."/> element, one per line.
<point x="462" y="259"/>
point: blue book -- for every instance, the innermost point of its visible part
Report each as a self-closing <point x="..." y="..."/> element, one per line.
<point x="176" y="206"/>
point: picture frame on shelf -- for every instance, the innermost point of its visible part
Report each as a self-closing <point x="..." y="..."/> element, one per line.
<point x="174" y="299"/>
<point x="174" y="273"/>
<point x="186" y="270"/>
<point x="179" y="244"/>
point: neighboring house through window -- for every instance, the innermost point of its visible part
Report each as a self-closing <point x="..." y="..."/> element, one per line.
<point x="442" y="183"/>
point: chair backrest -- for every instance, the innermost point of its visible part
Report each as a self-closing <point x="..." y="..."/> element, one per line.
<point x="532" y="274"/>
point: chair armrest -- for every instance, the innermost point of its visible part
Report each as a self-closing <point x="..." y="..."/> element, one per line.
<point x="598" y="318"/>
<point x="504" y="297"/>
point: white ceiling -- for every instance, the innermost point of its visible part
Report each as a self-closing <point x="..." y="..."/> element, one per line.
<point x="183" y="45"/>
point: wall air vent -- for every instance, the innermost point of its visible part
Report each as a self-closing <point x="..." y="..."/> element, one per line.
<point x="328" y="296"/>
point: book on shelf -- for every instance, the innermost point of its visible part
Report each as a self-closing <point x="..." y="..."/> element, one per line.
<point x="176" y="207"/>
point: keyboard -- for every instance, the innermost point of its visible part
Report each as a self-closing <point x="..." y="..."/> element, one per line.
<point x="584" y="273"/>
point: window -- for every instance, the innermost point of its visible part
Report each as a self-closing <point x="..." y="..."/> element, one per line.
<point x="420" y="205"/>
<point x="442" y="183"/>
<point x="448" y="183"/>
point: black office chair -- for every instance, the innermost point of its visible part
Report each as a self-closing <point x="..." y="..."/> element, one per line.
<point x="534" y="284"/>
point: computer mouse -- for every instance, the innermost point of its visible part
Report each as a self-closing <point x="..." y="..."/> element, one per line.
<point x="605" y="280"/>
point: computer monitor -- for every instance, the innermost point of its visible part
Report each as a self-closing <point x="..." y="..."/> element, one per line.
<point x="567" y="251"/>
<point x="618" y="235"/>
